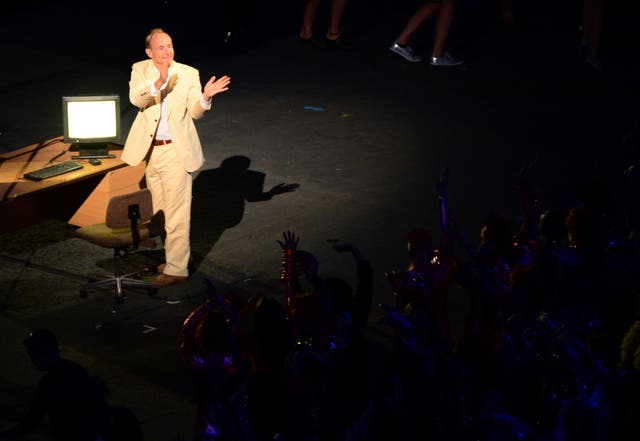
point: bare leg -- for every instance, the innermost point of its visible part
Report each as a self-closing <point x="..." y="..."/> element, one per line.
<point x="506" y="11"/>
<point x="308" y="17"/>
<point x="421" y="15"/>
<point x="443" y="24"/>
<point x="592" y="14"/>
<point x="337" y="10"/>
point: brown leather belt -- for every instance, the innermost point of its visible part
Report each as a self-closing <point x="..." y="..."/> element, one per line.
<point x="157" y="142"/>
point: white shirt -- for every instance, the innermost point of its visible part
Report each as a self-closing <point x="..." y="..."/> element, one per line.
<point x="162" y="132"/>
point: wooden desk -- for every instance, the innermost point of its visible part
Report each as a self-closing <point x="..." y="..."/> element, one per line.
<point x="78" y="197"/>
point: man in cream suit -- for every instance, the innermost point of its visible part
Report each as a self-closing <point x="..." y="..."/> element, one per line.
<point x="169" y="96"/>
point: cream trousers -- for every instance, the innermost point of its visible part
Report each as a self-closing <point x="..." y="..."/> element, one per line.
<point x="171" y="188"/>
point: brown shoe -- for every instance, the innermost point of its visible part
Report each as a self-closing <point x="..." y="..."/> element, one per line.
<point x="160" y="268"/>
<point x="163" y="279"/>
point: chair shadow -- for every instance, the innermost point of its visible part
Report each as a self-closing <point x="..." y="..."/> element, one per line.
<point x="219" y="198"/>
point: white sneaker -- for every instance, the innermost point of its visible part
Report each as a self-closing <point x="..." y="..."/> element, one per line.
<point x="405" y="52"/>
<point x="446" y="60"/>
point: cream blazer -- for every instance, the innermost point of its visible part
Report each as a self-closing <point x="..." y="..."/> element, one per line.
<point x="183" y="107"/>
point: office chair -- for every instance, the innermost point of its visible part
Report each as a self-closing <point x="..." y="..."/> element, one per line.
<point x="123" y="230"/>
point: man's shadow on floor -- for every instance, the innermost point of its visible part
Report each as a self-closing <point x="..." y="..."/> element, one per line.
<point x="219" y="198"/>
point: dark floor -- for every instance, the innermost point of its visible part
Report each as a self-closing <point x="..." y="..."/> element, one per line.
<point x="366" y="162"/>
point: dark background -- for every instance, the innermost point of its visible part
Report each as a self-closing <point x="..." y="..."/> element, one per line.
<point x="366" y="164"/>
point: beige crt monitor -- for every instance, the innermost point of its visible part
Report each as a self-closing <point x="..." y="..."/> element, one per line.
<point x="91" y="123"/>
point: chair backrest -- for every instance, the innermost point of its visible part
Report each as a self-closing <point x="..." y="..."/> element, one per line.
<point x="119" y="208"/>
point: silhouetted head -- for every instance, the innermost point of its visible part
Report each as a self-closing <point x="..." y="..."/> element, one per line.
<point x="341" y="294"/>
<point x="311" y="315"/>
<point x="306" y="263"/>
<point x="496" y="234"/>
<point x="552" y="226"/>
<point x="419" y="245"/>
<point x="214" y="333"/>
<point x="42" y="347"/>
<point x="268" y="330"/>
<point x="583" y="229"/>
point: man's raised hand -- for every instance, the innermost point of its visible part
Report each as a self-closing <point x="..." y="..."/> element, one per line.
<point x="215" y="86"/>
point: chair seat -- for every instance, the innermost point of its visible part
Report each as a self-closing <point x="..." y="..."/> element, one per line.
<point x="104" y="236"/>
<point x="124" y="229"/>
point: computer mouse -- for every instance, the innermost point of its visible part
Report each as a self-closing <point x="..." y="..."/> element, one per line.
<point x="94" y="161"/>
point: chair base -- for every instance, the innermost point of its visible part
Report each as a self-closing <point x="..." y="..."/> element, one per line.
<point x="120" y="283"/>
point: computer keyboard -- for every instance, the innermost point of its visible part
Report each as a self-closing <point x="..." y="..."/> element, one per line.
<point x="53" y="170"/>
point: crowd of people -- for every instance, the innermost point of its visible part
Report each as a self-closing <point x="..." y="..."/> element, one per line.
<point x="550" y="348"/>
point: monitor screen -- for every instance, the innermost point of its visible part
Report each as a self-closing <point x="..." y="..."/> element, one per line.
<point x="91" y="122"/>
